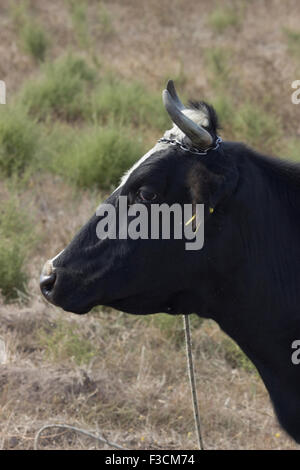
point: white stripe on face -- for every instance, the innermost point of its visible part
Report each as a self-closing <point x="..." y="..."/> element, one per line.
<point x="156" y="148"/>
<point x="159" y="146"/>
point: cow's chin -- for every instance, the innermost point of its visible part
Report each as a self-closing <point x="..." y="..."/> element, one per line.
<point x="135" y="309"/>
<point x="78" y="305"/>
<point x="75" y="308"/>
<point x="146" y="305"/>
<point x="78" y="311"/>
<point x="132" y="305"/>
<point x="137" y="304"/>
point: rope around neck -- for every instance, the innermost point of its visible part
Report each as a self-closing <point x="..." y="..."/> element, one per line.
<point x="186" y="322"/>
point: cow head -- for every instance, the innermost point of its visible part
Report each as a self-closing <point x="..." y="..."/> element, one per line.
<point x="246" y="275"/>
<point x="187" y="166"/>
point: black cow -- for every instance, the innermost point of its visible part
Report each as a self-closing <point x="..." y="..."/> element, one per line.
<point x="246" y="277"/>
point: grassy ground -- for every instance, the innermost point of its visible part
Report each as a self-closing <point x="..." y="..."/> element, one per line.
<point x="84" y="83"/>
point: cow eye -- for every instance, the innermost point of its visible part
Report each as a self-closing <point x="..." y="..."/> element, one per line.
<point x="146" y="196"/>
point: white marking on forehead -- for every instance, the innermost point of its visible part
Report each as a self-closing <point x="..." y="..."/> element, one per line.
<point x="156" y="148"/>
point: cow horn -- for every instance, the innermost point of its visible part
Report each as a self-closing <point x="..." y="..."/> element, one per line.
<point x="196" y="133"/>
<point x="173" y="93"/>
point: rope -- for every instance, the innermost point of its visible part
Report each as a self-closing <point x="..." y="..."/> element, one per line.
<point x="186" y="322"/>
<point x="78" y="430"/>
<point x="190" y="365"/>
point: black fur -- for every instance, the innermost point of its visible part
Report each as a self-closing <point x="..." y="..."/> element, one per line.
<point x="246" y="277"/>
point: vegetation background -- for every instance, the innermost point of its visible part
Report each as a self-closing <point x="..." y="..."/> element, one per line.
<point x="84" y="81"/>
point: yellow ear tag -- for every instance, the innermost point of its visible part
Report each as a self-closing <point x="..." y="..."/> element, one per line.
<point x="189" y="221"/>
<point x="211" y="209"/>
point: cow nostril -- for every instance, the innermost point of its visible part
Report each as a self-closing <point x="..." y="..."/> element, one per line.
<point x="47" y="283"/>
<point x="47" y="279"/>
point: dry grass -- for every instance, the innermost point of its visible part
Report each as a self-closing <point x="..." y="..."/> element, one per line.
<point x="131" y="381"/>
<point x="134" y="389"/>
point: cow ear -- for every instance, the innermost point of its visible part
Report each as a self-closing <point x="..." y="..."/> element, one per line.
<point x="209" y="187"/>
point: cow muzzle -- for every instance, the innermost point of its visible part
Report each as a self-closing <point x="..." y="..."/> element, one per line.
<point x="47" y="279"/>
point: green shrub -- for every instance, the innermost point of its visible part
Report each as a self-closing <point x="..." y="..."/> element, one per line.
<point x="225" y="110"/>
<point x="128" y="104"/>
<point x="293" y="41"/>
<point x="256" y="127"/>
<point x="19" y="140"/>
<point x="67" y="89"/>
<point x="57" y="140"/>
<point x="293" y="149"/>
<point x="16" y="239"/>
<point x="79" y="20"/>
<point x="223" y="18"/>
<point x="61" y="91"/>
<point x="34" y="40"/>
<point x="13" y="277"/>
<point x="18" y="12"/>
<point x="98" y="157"/>
<point x="32" y="35"/>
<point x="217" y="62"/>
<point x="104" y="21"/>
